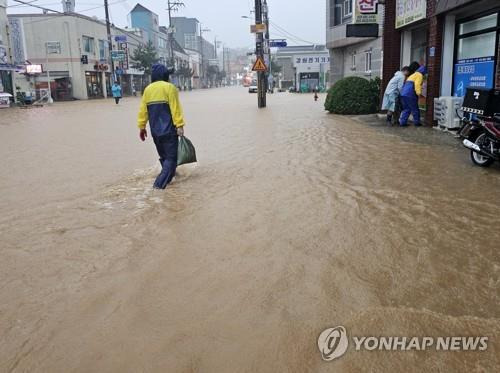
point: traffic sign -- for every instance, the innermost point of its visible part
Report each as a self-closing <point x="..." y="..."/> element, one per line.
<point x="121" y="38"/>
<point x="259" y="65"/>
<point x="277" y="43"/>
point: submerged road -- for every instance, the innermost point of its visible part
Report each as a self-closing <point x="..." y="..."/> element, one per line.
<point x="293" y="221"/>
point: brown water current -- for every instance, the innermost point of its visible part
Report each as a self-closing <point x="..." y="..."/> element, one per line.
<point x="293" y="221"/>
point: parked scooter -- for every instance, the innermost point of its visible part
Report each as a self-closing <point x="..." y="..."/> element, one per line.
<point x="481" y="131"/>
<point x="482" y="137"/>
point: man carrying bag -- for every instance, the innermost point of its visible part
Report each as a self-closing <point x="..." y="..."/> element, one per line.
<point x="161" y="107"/>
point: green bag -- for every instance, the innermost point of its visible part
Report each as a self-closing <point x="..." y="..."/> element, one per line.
<point x="185" y="152"/>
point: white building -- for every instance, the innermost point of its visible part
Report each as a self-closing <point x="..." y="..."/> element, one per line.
<point x="73" y="50"/>
<point x="6" y="67"/>
<point x="303" y="67"/>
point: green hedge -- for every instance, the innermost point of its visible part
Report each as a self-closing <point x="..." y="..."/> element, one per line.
<point x="354" y="95"/>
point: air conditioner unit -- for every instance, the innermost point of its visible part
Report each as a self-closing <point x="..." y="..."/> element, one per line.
<point x="445" y="111"/>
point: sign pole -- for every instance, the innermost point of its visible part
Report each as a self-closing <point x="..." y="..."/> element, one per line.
<point x="259" y="50"/>
<point x="110" y="42"/>
<point x="49" y="100"/>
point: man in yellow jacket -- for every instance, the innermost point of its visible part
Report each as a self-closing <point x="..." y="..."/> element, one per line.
<point x="161" y="107"/>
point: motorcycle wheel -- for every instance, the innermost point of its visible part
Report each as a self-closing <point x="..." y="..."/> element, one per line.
<point x="478" y="159"/>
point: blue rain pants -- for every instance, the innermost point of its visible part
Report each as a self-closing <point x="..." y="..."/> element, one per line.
<point x="166" y="146"/>
<point x="410" y="106"/>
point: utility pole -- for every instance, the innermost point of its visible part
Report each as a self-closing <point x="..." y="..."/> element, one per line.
<point x="173" y="6"/>
<point x="259" y="51"/>
<point x="202" y="70"/>
<point x="265" y="14"/>
<point x="110" y="41"/>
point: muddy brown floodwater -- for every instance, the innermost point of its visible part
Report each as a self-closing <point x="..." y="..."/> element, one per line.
<point x="292" y="222"/>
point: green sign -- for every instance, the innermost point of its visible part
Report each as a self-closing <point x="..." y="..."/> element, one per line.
<point x="118" y="56"/>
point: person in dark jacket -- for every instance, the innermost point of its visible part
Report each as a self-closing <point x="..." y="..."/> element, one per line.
<point x="161" y="107"/>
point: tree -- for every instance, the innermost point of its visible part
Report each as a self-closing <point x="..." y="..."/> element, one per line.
<point x="144" y="57"/>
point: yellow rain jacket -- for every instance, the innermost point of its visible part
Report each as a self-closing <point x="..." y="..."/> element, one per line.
<point x="161" y="107"/>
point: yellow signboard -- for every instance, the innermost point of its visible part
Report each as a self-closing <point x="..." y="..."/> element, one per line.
<point x="259" y="28"/>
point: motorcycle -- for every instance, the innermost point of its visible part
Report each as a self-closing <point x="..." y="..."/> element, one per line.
<point x="481" y="130"/>
<point x="482" y="137"/>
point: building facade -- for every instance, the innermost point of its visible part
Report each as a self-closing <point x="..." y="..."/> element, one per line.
<point x="458" y="41"/>
<point x="350" y="56"/>
<point x="6" y="66"/>
<point x="73" y="55"/>
<point x="303" y="67"/>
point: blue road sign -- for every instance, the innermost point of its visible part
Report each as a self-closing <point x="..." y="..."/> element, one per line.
<point x="277" y="43"/>
<point x="121" y="38"/>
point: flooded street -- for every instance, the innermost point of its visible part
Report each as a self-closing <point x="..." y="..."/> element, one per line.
<point x="293" y="221"/>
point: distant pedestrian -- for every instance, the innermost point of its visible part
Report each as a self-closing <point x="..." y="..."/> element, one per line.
<point x="392" y="92"/>
<point x="161" y="107"/>
<point x="316" y="97"/>
<point x="117" y="91"/>
<point x="412" y="89"/>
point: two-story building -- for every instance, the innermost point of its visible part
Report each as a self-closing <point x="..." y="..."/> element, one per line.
<point x="6" y="67"/>
<point x="350" y="56"/>
<point x="71" y="53"/>
<point x="303" y="67"/>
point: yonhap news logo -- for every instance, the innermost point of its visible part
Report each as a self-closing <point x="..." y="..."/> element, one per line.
<point x="334" y="342"/>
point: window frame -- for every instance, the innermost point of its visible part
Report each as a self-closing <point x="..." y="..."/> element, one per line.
<point x="91" y="44"/>
<point x="368" y="61"/>
<point x="348" y="7"/>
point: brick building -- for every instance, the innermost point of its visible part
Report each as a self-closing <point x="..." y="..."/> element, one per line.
<point x="458" y="40"/>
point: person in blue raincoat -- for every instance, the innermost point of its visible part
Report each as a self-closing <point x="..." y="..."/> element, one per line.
<point x="116" y="89"/>
<point x="392" y="92"/>
<point x="410" y="93"/>
<point x="161" y="107"/>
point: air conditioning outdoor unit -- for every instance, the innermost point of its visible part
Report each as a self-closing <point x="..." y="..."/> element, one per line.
<point x="445" y="112"/>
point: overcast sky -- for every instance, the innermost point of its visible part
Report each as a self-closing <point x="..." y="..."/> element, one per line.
<point x="304" y="19"/>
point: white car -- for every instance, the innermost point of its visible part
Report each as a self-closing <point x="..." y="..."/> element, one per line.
<point x="253" y="87"/>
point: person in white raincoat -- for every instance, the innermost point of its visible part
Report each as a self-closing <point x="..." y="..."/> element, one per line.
<point x="392" y="92"/>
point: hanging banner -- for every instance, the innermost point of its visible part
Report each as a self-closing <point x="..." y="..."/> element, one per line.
<point x="409" y="11"/>
<point x="366" y="11"/>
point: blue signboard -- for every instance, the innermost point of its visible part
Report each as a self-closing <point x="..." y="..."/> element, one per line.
<point x="473" y="72"/>
<point x="277" y="43"/>
<point x="121" y="38"/>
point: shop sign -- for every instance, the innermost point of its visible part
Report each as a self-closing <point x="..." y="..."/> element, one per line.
<point x="53" y="47"/>
<point x="365" y="11"/>
<point x="118" y="55"/>
<point x="311" y="60"/>
<point x="409" y="11"/>
<point x="473" y="72"/>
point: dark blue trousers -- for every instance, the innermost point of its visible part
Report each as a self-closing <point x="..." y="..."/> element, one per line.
<point x="410" y="106"/>
<point x="167" y="150"/>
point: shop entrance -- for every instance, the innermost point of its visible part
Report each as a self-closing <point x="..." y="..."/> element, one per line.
<point x="94" y="84"/>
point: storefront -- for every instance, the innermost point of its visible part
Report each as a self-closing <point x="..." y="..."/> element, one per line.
<point x="475" y="52"/>
<point x="93" y="81"/>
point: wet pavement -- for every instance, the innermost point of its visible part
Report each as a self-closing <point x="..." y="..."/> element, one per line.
<point x="293" y="221"/>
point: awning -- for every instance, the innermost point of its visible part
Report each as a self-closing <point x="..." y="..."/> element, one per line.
<point x="446" y="5"/>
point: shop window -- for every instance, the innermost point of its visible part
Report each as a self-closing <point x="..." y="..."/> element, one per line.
<point x="477" y="46"/>
<point x="368" y="61"/>
<point x="88" y="45"/>
<point x="478" y="24"/>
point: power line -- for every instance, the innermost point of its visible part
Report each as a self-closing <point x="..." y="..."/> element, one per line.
<point x="292" y="36"/>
